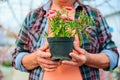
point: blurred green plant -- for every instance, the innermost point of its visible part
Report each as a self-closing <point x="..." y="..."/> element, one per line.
<point x="7" y="64"/>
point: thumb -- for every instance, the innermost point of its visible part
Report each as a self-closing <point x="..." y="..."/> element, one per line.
<point x="76" y="41"/>
<point x="79" y="50"/>
<point x="45" y="54"/>
<point x="46" y="42"/>
<point x="43" y="48"/>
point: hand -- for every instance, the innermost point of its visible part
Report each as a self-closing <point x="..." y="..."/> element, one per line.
<point x="79" y="57"/>
<point x="43" y="59"/>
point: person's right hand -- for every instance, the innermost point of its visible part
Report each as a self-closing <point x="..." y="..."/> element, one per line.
<point x="43" y="59"/>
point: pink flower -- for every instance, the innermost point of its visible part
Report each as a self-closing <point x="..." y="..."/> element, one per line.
<point x="51" y="14"/>
<point x="52" y="11"/>
<point x="71" y="19"/>
<point x="47" y="15"/>
<point x="62" y="23"/>
<point x="63" y="16"/>
<point x="68" y="8"/>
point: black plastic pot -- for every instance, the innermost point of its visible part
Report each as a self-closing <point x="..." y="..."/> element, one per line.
<point x="60" y="47"/>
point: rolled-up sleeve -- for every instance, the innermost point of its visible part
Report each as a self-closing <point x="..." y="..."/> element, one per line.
<point x="107" y="45"/>
<point x="18" y="61"/>
<point x="23" y="43"/>
<point x="113" y="57"/>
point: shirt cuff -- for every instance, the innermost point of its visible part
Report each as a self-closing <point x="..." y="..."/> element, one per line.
<point x="18" y="61"/>
<point x="113" y="57"/>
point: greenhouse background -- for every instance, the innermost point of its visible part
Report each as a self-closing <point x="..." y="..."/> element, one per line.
<point x="12" y="14"/>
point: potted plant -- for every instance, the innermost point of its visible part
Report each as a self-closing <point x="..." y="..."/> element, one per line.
<point x="62" y="30"/>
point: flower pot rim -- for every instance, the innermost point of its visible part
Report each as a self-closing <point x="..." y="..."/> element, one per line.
<point x="60" y="37"/>
<point x="65" y="39"/>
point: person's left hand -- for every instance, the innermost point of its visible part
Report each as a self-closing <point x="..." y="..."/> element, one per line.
<point x="79" y="57"/>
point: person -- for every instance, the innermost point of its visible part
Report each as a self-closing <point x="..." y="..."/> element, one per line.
<point x="32" y="52"/>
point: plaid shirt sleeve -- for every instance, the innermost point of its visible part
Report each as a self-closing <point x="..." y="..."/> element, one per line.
<point x="23" y="41"/>
<point x="107" y="46"/>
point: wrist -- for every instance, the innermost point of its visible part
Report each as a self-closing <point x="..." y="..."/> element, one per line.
<point x="88" y="56"/>
<point x="29" y="61"/>
<point x="34" y="58"/>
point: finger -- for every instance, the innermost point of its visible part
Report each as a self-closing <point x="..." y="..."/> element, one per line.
<point x="70" y="63"/>
<point x="47" y="50"/>
<point x="79" y="50"/>
<point x="43" y="54"/>
<point x="49" y="70"/>
<point x="46" y="42"/>
<point x="49" y="66"/>
<point x="43" y="47"/>
<point x="76" y="41"/>
<point x="46" y="61"/>
<point x="78" y="58"/>
<point x="74" y="51"/>
<point x="75" y="56"/>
